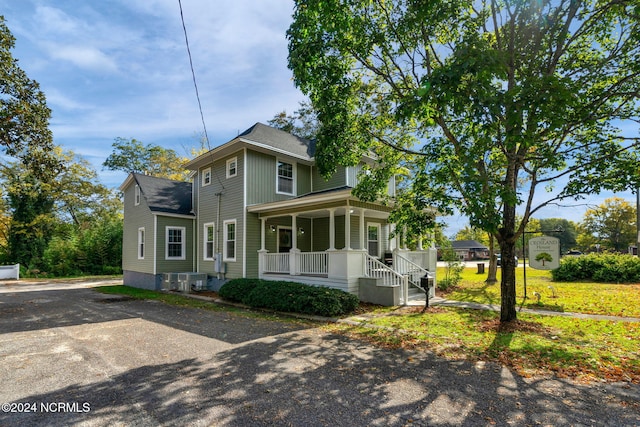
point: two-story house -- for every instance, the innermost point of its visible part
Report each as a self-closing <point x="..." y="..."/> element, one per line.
<point x="257" y="206"/>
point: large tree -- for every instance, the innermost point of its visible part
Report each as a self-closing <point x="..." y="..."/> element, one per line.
<point x="491" y="106"/>
<point x="24" y="115"/>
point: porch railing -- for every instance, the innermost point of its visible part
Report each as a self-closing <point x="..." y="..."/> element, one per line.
<point x="306" y="262"/>
<point x="411" y="269"/>
<point x="277" y="263"/>
<point x="313" y="263"/>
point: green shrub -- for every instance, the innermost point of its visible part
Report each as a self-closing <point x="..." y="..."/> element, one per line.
<point x="610" y="268"/>
<point x="289" y="297"/>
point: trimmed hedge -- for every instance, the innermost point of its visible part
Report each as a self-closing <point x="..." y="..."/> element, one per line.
<point x="289" y="297"/>
<point x="608" y="268"/>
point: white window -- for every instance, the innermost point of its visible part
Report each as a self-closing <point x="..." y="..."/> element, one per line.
<point x="137" y="195"/>
<point x="285" y="178"/>
<point x="175" y="243"/>
<point x="230" y="240"/>
<point x="373" y="239"/>
<point x="141" y="243"/>
<point x="232" y="167"/>
<point x="206" y="177"/>
<point x="209" y="233"/>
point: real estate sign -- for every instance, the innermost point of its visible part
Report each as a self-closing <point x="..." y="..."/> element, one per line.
<point x="544" y="253"/>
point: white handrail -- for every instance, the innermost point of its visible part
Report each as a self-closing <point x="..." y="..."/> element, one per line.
<point x="390" y="277"/>
<point x="313" y="263"/>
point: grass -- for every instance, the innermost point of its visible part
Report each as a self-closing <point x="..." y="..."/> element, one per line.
<point x="585" y="297"/>
<point x="534" y="344"/>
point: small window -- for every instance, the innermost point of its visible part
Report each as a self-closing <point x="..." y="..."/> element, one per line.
<point x="209" y="233"/>
<point x="232" y="167"/>
<point x="230" y="240"/>
<point x="175" y="245"/>
<point x="206" y="177"/>
<point x="137" y="195"/>
<point x="285" y="178"/>
<point x="141" y="243"/>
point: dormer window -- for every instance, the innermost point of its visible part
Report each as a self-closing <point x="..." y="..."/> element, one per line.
<point x="285" y="178"/>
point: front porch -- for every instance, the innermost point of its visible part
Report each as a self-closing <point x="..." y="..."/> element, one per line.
<point x="334" y="240"/>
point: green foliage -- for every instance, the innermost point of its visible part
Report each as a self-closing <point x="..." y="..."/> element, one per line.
<point x="612" y="225"/>
<point x="289" y="297"/>
<point x="608" y="268"/>
<point x="131" y="155"/>
<point x="24" y="115"/>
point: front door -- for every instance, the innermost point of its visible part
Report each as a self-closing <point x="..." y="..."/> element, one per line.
<point x="285" y="239"/>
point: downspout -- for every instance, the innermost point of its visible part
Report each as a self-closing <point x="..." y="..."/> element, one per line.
<point x="218" y="252"/>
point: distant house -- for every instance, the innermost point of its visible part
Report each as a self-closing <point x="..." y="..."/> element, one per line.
<point x="257" y="207"/>
<point x="469" y="250"/>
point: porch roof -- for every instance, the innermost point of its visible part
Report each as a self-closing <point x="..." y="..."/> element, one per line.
<point x="311" y="200"/>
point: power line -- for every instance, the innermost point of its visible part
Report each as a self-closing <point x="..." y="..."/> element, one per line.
<point x="193" y="75"/>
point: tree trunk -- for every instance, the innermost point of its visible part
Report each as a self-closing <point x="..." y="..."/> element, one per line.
<point x="507" y="241"/>
<point x="493" y="262"/>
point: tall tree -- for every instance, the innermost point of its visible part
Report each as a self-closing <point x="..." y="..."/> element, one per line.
<point x="24" y="115"/>
<point x="563" y="229"/>
<point x="612" y="225"/>
<point x="486" y="103"/>
<point x="131" y="155"/>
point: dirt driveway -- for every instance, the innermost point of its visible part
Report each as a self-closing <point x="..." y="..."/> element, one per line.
<point x="72" y="356"/>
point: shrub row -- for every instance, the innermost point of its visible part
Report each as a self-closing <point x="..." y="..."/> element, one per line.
<point x="599" y="268"/>
<point x="289" y="297"/>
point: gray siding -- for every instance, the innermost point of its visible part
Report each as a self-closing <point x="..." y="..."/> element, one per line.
<point x="136" y="217"/>
<point x="168" y="265"/>
<point x="231" y="208"/>
<point x="261" y="178"/>
<point x="337" y="180"/>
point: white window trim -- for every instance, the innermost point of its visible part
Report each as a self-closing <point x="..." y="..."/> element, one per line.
<point x="379" y="227"/>
<point x="183" y="243"/>
<point x="225" y="256"/>
<point x="293" y="177"/>
<point x="204" y="175"/>
<point x="141" y="242"/>
<point x="204" y="239"/>
<point x="232" y="160"/>
<point x="137" y="195"/>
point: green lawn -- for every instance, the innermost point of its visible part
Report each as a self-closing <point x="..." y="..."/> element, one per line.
<point x="592" y="298"/>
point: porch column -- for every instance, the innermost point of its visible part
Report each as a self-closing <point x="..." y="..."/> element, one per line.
<point x="294" y="252"/>
<point x="263" y="224"/>
<point x="362" y="230"/>
<point x="420" y="244"/>
<point x="347" y="228"/>
<point x="332" y="229"/>
<point x="404" y="237"/>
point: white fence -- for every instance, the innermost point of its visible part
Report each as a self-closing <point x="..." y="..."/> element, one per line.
<point x="10" y="272"/>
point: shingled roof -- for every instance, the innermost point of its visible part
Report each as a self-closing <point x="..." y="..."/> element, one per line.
<point x="165" y="195"/>
<point x="276" y="138"/>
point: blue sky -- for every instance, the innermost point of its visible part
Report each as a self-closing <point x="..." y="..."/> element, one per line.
<point x="119" y="68"/>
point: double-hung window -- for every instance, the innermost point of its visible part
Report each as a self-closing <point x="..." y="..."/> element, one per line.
<point x="373" y="239"/>
<point x="206" y="177"/>
<point x="232" y="167"/>
<point x="285" y="178"/>
<point x="175" y="243"/>
<point x="141" y="243"/>
<point x="137" y="195"/>
<point x="230" y="240"/>
<point x="209" y="233"/>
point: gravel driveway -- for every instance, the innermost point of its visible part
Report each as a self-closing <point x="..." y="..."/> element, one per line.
<point x="72" y="356"/>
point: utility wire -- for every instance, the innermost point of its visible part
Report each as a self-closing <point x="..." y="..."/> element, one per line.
<point x="195" y="85"/>
<point x="193" y="75"/>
